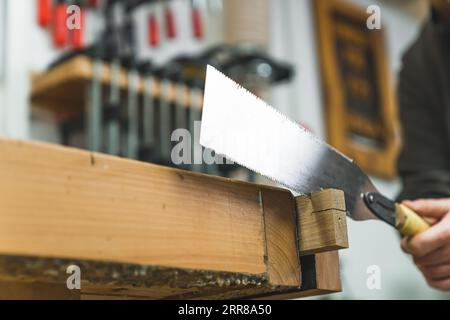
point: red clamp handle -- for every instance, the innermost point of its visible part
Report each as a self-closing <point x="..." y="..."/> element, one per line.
<point x="171" y="29"/>
<point x="60" y="32"/>
<point x="153" y="31"/>
<point x="78" y="34"/>
<point x="44" y="11"/>
<point x="197" y="23"/>
<point x="94" y="4"/>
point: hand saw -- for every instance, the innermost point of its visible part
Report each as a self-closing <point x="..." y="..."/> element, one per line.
<point x="240" y="126"/>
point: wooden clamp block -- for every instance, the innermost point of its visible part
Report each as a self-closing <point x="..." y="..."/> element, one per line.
<point x="322" y="222"/>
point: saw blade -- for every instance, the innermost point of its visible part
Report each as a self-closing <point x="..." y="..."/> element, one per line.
<point x="240" y="126"/>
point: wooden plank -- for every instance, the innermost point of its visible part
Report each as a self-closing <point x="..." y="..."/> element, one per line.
<point x="281" y="237"/>
<point x="43" y="278"/>
<point x="143" y="231"/>
<point x="328" y="277"/>
<point x="128" y="281"/>
<point x="62" y="202"/>
<point x="322" y="222"/>
<point x="31" y="290"/>
<point x="321" y="275"/>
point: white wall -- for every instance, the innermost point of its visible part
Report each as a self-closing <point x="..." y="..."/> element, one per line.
<point x="371" y="243"/>
<point x="2" y="62"/>
<point x="15" y="87"/>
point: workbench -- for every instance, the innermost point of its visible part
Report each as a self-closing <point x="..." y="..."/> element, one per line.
<point x="142" y="231"/>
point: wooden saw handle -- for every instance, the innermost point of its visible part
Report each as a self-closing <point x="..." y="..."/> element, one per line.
<point x="408" y="222"/>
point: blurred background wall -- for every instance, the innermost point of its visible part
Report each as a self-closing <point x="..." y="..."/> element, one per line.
<point x="290" y="36"/>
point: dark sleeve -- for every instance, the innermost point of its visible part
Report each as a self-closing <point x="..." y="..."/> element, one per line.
<point x="424" y="161"/>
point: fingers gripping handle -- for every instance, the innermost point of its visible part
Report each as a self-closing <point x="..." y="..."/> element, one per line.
<point x="408" y="222"/>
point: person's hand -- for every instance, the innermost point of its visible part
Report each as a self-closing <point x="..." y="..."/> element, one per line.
<point x="431" y="248"/>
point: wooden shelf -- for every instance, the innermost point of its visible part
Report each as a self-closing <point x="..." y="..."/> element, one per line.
<point x="139" y="230"/>
<point x="64" y="88"/>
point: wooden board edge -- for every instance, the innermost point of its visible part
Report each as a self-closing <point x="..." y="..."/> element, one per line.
<point x="281" y="237"/>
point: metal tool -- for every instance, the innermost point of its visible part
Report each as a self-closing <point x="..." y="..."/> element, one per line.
<point x="113" y="112"/>
<point x="133" y="115"/>
<point x="166" y="112"/>
<point x="181" y="106"/>
<point x="397" y="215"/>
<point x="112" y="55"/>
<point x="94" y="118"/>
<point x="148" y="113"/>
<point x="129" y="60"/>
<point x="245" y="129"/>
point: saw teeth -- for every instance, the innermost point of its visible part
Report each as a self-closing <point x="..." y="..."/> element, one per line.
<point x="285" y="117"/>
